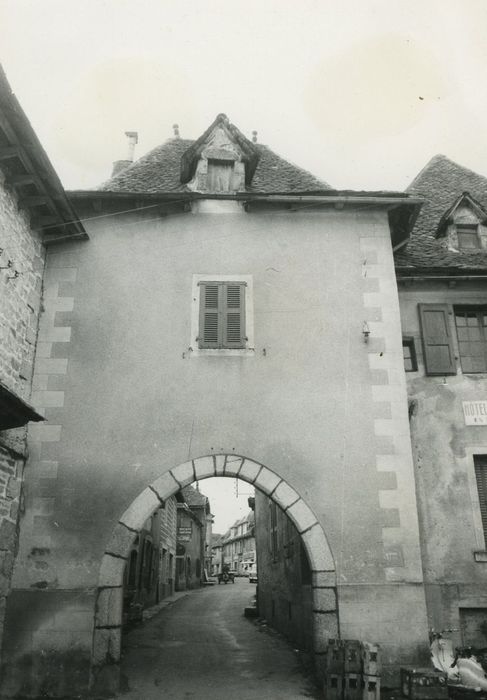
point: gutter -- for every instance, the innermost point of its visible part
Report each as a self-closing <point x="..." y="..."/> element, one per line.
<point x="441" y="278"/>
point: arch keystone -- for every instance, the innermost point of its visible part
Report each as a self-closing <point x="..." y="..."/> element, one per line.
<point x="266" y="480"/>
<point x="233" y="465"/>
<point x="165" y="486"/>
<point x="184" y="473"/>
<point x="249" y="470"/>
<point x="141" y="509"/>
<point x="204" y="467"/>
<point x="220" y="464"/>
<point x="301" y="516"/>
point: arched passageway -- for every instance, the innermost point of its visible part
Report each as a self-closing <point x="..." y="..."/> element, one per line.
<point x="108" y="615"/>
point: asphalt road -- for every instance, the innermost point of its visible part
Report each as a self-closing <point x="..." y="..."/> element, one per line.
<point x="202" y="647"/>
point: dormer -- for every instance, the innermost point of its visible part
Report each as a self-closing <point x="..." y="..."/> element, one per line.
<point x="464" y="225"/>
<point x="221" y="161"/>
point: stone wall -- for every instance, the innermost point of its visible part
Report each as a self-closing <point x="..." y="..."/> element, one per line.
<point x="19" y="312"/>
<point x="284" y="590"/>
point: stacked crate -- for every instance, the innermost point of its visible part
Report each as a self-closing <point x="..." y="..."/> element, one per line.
<point x="352" y="670"/>
<point x="335" y="669"/>
<point x="371" y="670"/>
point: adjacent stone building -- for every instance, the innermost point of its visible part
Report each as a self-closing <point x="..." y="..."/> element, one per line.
<point x="34" y="212"/>
<point x="150" y="570"/>
<point x="193" y="533"/>
<point x="284" y="593"/>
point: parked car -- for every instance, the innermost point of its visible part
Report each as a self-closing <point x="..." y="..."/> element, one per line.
<point x="253" y="573"/>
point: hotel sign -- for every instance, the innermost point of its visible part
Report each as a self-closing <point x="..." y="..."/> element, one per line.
<point x="475" y="412"/>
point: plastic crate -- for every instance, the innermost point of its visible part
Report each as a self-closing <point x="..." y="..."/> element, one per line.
<point x="352" y="686"/>
<point x="333" y="686"/>
<point x="353" y="655"/>
<point x="370" y="687"/>
<point x="371" y="660"/>
<point x="335" y="657"/>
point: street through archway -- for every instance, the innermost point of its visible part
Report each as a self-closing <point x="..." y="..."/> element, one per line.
<point x="202" y="646"/>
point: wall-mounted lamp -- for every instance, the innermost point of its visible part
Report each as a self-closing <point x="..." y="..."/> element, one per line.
<point x="366" y="332"/>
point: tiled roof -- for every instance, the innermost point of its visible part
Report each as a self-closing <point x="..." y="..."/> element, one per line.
<point x="160" y="171"/>
<point x="441" y="183"/>
<point x="193" y="497"/>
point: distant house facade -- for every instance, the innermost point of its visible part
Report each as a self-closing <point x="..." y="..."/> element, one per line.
<point x="151" y="567"/>
<point x="193" y="552"/>
<point x="238" y="545"/>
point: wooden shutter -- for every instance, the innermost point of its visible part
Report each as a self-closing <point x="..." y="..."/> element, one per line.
<point x="481" y="476"/>
<point x="233" y="315"/>
<point x="210" y="321"/>
<point x="437" y="340"/>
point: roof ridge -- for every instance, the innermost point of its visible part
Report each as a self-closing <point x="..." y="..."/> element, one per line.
<point x="440" y="158"/>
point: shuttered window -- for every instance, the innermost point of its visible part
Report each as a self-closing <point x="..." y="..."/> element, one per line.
<point x="438" y="351"/>
<point x="467" y="235"/>
<point x="480" y="462"/>
<point x="222" y="315"/>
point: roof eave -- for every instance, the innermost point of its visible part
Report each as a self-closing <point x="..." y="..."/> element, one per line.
<point x="402" y="209"/>
<point x="25" y="152"/>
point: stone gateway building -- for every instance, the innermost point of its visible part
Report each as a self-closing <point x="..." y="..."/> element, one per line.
<point x="231" y="315"/>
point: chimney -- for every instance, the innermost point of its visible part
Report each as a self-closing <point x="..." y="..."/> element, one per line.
<point x="119" y="165"/>
<point x="176" y="131"/>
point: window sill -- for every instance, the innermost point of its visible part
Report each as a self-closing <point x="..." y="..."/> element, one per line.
<point x="480" y="556"/>
<point x="223" y="352"/>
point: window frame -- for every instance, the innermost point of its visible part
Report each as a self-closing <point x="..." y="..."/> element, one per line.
<point x="222" y="306"/>
<point x="480" y="310"/>
<point x="197" y="286"/>
<point x="468" y="228"/>
<point x="408" y="341"/>
<point x="480" y="465"/>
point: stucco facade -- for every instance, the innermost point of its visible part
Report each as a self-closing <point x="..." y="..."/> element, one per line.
<point x="320" y="408"/>
<point x="444" y="447"/>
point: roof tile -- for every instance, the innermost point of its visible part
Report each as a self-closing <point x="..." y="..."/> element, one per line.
<point x="160" y="171"/>
<point x="441" y="182"/>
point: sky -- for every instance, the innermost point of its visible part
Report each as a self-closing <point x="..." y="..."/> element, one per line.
<point x="228" y="500"/>
<point x="360" y="92"/>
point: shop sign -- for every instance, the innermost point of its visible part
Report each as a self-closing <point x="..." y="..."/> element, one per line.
<point x="475" y="412"/>
<point x="184" y="533"/>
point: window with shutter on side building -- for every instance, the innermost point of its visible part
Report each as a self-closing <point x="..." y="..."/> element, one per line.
<point x="471" y="325"/>
<point x="222" y="315"/>
<point x="439" y="356"/>
<point x="480" y="462"/>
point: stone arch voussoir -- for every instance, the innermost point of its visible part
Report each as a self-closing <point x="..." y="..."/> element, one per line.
<point x="108" y="614"/>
